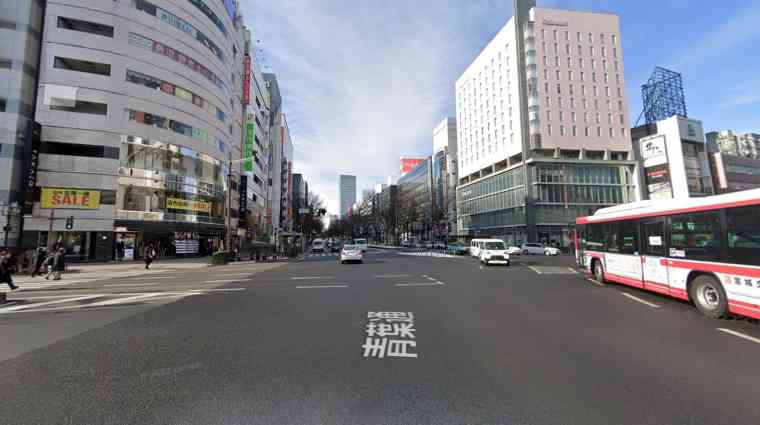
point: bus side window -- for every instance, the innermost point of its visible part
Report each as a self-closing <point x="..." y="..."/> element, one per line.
<point x="743" y="235"/>
<point x="595" y="238"/>
<point x="654" y="238"/>
<point x="696" y="236"/>
<point x="629" y="237"/>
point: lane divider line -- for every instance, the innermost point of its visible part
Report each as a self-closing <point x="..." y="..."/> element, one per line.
<point x="311" y="277"/>
<point x="595" y="282"/>
<point x="534" y="269"/>
<point x="645" y="302"/>
<point x="740" y="335"/>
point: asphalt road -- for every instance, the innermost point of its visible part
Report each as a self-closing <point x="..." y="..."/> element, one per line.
<point x="534" y="343"/>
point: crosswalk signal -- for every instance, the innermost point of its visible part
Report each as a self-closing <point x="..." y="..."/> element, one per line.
<point x="70" y="223"/>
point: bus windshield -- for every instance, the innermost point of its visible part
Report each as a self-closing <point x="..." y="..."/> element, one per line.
<point x="495" y="246"/>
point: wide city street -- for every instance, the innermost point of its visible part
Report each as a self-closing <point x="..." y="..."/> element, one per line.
<point x="404" y="338"/>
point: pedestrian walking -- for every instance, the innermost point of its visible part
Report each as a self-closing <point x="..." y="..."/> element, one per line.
<point x="39" y="258"/>
<point x="150" y="255"/>
<point x="5" y="269"/>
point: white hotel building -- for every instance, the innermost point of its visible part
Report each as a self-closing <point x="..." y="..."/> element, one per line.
<point x="550" y="84"/>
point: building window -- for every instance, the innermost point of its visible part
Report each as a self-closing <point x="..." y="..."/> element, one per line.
<point x="561" y="116"/>
<point x="601" y="38"/>
<point x="554" y="32"/>
<point x="596" y="91"/>
<point x="569" y="61"/>
<point x="572" y="116"/>
<point x="567" y="35"/>
<point x="549" y="129"/>
<point x="85" y="26"/>
<point x="598" y="118"/>
<point x="591" y="50"/>
<point x="559" y="89"/>
<point x="583" y="76"/>
<point x="548" y="116"/>
<point x="620" y="92"/>
<point x="546" y="61"/>
<point x="556" y="48"/>
<point x="609" y="118"/>
<point x="561" y="130"/>
<point x="543" y="46"/>
<point x="599" y="132"/>
<point x="546" y="73"/>
<point x="607" y="91"/>
<point x="2" y="104"/>
<point x="614" y="51"/>
<point x="617" y="78"/>
<point x="614" y="39"/>
<point x="572" y="90"/>
<point x="548" y="102"/>
<point x="83" y="107"/>
<point x="596" y="104"/>
<point x="580" y="50"/>
<point x="556" y="61"/>
<point x="588" y="134"/>
<point x="575" y="131"/>
<point x="593" y="77"/>
<point x="572" y="102"/>
<point x="590" y="37"/>
<point x="578" y="36"/>
<point x="609" y="105"/>
<point x="581" y="63"/>
<point x="622" y="119"/>
<point x="616" y="66"/>
<point x="570" y="75"/>
<point x="606" y="78"/>
<point x="593" y="63"/>
<point x="559" y="101"/>
<point x="612" y="133"/>
<point x="585" y="117"/>
<point x="620" y="105"/>
<point x="71" y="64"/>
<point x="567" y="49"/>
<point x="585" y="103"/>
<point x="604" y="51"/>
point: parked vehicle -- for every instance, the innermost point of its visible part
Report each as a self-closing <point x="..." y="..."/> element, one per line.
<point x="493" y="251"/>
<point x="550" y="250"/>
<point x="475" y="246"/>
<point x="532" y="249"/>
<point x="457" y="249"/>
<point x="514" y="250"/>
<point x="351" y="254"/>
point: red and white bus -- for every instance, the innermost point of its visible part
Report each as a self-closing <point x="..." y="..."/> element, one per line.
<point x="704" y="250"/>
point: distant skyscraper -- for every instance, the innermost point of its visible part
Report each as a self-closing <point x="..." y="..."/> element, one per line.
<point x="346" y="192"/>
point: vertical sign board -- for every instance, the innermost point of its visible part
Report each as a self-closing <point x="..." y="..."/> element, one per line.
<point x="656" y="168"/>
<point x="247" y="79"/>
<point x="248" y="146"/>
<point x="243" y="204"/>
<point x="33" y="138"/>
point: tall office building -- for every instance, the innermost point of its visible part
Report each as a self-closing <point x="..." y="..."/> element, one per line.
<point x="21" y="33"/>
<point x="280" y="161"/>
<point x="346" y="193"/>
<point x="542" y="126"/>
<point x="141" y="108"/>
<point x="445" y="176"/>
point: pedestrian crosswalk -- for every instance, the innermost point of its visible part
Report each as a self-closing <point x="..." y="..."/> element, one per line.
<point x="41" y="284"/>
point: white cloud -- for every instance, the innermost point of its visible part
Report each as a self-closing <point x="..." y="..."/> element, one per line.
<point x="365" y="82"/>
<point x="722" y="39"/>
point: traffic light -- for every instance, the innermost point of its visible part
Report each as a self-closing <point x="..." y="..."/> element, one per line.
<point x="70" y="223"/>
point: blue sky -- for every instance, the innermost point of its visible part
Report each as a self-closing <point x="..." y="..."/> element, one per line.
<point x="366" y="81"/>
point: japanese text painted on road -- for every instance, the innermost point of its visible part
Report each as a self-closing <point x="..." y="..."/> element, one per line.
<point x="389" y="334"/>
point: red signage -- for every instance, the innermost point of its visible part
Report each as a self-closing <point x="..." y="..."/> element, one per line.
<point x="247" y="79"/>
<point x="408" y="164"/>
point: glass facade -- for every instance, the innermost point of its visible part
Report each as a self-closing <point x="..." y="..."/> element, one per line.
<point x="165" y="182"/>
<point x="175" y="126"/>
<point x="415" y="199"/>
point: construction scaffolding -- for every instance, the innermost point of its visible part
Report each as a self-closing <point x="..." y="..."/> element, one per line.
<point x="663" y="96"/>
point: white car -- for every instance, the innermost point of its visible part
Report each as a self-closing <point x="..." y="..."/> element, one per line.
<point x="361" y="244"/>
<point x="493" y="251"/>
<point x="538" y="249"/>
<point x="513" y="250"/>
<point x="351" y="254"/>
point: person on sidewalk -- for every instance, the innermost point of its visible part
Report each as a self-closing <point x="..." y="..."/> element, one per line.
<point x="39" y="258"/>
<point x="57" y="264"/>
<point x="5" y="269"/>
<point x="150" y="255"/>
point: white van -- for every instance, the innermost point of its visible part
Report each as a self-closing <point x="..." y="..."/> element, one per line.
<point x="475" y="247"/>
<point x="493" y="251"/>
<point x="317" y="246"/>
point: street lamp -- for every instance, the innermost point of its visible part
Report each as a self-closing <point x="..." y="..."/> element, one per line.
<point x="8" y="211"/>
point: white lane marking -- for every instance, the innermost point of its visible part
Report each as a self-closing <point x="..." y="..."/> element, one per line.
<point x="429" y="278"/>
<point x="572" y="270"/>
<point x="391" y="276"/>
<point x="435" y="283"/>
<point x="128" y="299"/>
<point x="645" y="302"/>
<point x="130" y="284"/>
<point x="28" y="306"/>
<point x="595" y="282"/>
<point x="321" y="286"/>
<point x="740" y="335"/>
<point x="222" y="281"/>
<point x="311" y="277"/>
<point x="534" y="269"/>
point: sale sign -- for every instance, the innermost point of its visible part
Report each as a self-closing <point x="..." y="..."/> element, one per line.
<point x="55" y="198"/>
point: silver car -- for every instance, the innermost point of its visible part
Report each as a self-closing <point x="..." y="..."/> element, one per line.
<point x="351" y="254"/>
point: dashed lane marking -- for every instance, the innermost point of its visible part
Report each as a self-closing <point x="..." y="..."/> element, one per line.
<point x="595" y="282"/>
<point x="740" y="335"/>
<point x="311" y="277"/>
<point x="534" y="269"/>
<point x="645" y="302"/>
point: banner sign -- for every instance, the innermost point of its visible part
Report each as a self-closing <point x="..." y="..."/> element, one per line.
<point x="247" y="79"/>
<point x="33" y="137"/>
<point x="187" y="205"/>
<point x="82" y="199"/>
<point x="653" y="151"/>
<point x="243" y="201"/>
<point x="248" y="146"/>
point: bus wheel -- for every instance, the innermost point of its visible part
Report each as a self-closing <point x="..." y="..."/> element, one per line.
<point x="598" y="271"/>
<point x="708" y="296"/>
